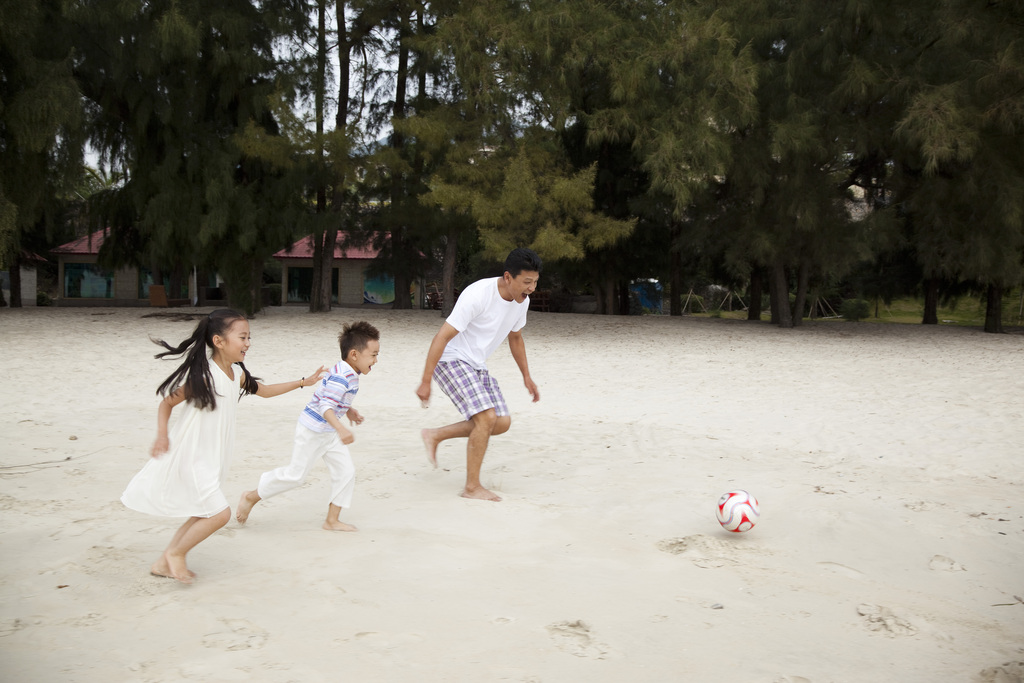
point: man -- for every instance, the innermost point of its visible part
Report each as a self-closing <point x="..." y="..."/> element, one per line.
<point x="487" y="312"/>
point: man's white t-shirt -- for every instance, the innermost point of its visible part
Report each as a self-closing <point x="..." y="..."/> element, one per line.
<point x="483" y="320"/>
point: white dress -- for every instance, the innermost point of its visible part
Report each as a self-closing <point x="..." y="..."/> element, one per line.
<point x="186" y="481"/>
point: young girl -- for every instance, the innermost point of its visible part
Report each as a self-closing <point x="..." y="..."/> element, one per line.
<point x="186" y="482"/>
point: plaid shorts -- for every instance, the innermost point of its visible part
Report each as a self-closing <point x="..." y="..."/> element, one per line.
<point x="472" y="391"/>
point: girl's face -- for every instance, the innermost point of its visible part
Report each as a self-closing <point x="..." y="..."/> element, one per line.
<point x="362" y="361"/>
<point x="235" y="342"/>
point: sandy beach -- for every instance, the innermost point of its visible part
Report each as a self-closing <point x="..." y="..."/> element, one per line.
<point x="888" y="461"/>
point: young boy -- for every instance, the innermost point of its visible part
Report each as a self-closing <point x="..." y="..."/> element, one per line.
<point x="320" y="432"/>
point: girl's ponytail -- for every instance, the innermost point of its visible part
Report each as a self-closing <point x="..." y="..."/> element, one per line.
<point x="194" y="372"/>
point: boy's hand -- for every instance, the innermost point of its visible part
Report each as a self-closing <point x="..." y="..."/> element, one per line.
<point x="346" y="436"/>
<point x="353" y="416"/>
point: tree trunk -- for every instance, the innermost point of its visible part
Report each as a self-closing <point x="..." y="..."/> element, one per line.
<point x="399" y="244"/>
<point x="451" y="253"/>
<point x="994" y="309"/>
<point x="675" y="277"/>
<point x="931" y="302"/>
<point x="779" y="292"/>
<point x="14" y="270"/>
<point x="622" y="291"/>
<point x="754" y="294"/>
<point x="801" y="294"/>
<point x="323" y="242"/>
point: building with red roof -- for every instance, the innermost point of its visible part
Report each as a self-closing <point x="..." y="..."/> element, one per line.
<point x="350" y="282"/>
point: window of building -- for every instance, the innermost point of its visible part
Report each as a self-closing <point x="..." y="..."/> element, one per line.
<point x="300" y="284"/>
<point x="87" y="281"/>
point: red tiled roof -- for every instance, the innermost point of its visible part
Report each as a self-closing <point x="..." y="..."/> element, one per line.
<point x="87" y="245"/>
<point x="304" y="249"/>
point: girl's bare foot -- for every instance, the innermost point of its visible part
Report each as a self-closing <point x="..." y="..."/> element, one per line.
<point x="166" y="565"/>
<point x="339" y="526"/>
<point x="431" y="445"/>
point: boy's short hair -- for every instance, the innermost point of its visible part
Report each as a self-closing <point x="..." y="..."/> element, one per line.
<point x="521" y="259"/>
<point x="356" y="336"/>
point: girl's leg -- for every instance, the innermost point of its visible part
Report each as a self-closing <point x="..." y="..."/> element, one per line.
<point x="160" y="567"/>
<point x="191" y="534"/>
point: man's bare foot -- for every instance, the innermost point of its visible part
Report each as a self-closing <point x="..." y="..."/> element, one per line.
<point x="245" y="506"/>
<point x="431" y="444"/>
<point x="339" y="526"/>
<point x="480" y="493"/>
<point x="172" y="568"/>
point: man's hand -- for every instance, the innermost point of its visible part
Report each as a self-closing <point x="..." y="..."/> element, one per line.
<point x="531" y="386"/>
<point x="423" y="393"/>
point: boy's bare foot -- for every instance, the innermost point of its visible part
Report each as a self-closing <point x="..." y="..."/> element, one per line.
<point x="339" y="526"/>
<point x="480" y="493"/>
<point x="245" y="506"/>
<point x="172" y="568"/>
<point x="431" y="444"/>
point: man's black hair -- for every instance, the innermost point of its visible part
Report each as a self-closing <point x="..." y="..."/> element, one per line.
<point x="521" y="259"/>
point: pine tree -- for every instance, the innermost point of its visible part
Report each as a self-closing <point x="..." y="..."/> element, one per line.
<point x="172" y="85"/>
<point x="40" y="127"/>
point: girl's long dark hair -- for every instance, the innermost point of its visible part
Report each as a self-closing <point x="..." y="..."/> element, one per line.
<point x="194" y="372"/>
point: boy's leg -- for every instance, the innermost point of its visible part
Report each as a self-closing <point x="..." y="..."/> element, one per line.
<point x="305" y="450"/>
<point x="332" y="523"/>
<point x="343" y="483"/>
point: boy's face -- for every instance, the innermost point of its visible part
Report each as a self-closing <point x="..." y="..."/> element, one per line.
<point x="364" y="359"/>
<point x="522" y="285"/>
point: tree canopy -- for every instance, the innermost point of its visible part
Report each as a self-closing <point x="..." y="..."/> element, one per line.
<point x="853" y="145"/>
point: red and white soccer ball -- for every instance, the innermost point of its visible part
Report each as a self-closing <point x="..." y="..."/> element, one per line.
<point x="738" y="511"/>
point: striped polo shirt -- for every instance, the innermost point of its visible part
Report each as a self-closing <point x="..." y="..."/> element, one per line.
<point x="334" y="392"/>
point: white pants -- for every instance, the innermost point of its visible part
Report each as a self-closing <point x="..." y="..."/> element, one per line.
<point x="309" y="446"/>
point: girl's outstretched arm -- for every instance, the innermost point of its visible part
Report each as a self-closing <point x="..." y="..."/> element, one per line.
<point x="163" y="415"/>
<point x="268" y="390"/>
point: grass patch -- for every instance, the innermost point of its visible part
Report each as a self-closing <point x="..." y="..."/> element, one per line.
<point x="967" y="312"/>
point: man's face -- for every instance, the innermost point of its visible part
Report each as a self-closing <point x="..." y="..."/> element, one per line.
<point x="522" y="285"/>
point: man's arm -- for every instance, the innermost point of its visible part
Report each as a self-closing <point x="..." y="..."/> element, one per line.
<point x="437" y="347"/>
<point x="517" y="345"/>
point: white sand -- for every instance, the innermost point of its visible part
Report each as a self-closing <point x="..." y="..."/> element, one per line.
<point x="888" y="460"/>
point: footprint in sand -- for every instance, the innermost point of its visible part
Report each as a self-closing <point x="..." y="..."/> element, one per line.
<point x="943" y="563"/>
<point x="879" y="618"/>
<point x="1010" y="672"/>
<point x="575" y="638"/>
<point x="241" y="636"/>
<point x="706" y="552"/>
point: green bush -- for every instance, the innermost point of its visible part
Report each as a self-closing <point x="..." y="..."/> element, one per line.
<point x="855" y="309"/>
<point x="43" y="299"/>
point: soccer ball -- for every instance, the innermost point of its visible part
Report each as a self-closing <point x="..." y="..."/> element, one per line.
<point x="738" y="511"/>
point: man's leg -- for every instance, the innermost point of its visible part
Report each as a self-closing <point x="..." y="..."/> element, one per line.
<point x="432" y="438"/>
<point x="483" y="425"/>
